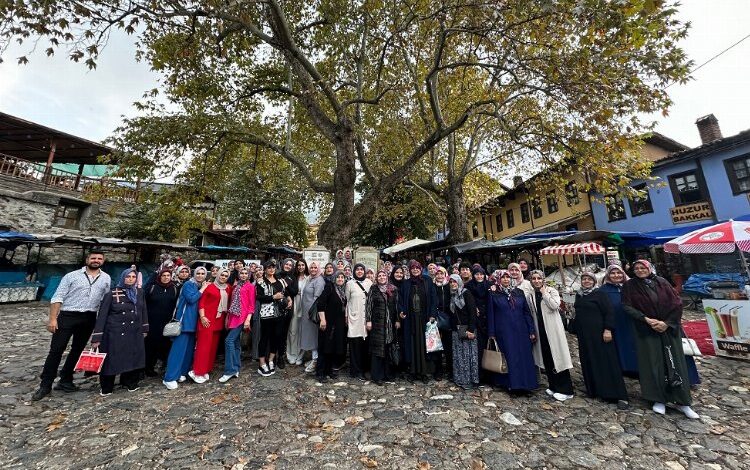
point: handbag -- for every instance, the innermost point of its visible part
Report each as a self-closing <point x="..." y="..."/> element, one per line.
<point x="432" y="338"/>
<point x="313" y="314"/>
<point x="462" y="331"/>
<point x="90" y="361"/>
<point x="394" y="353"/>
<point x="173" y="328"/>
<point x="690" y="347"/>
<point x="443" y="321"/>
<point x="493" y="360"/>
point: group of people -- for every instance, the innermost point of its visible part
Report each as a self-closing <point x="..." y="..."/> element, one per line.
<point x="376" y="321"/>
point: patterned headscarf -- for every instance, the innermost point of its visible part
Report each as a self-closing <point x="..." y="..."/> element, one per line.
<point x="586" y="291"/>
<point x="650" y="279"/>
<point x="615" y="267"/>
<point x="164" y="284"/>
<point x="445" y="273"/>
<point x="388" y="289"/>
<point x="340" y="289"/>
<point x="235" y="306"/>
<point x="513" y="281"/>
<point x="130" y="291"/>
<point x="536" y="271"/>
<point x="457" y="297"/>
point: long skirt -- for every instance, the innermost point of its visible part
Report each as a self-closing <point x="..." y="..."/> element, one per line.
<point x="465" y="361"/>
<point x="293" y="350"/>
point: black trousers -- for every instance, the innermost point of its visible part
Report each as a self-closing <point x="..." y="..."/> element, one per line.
<point x="286" y="321"/>
<point x="76" y="325"/>
<point x="270" y="336"/>
<point x="127" y="379"/>
<point x="380" y="368"/>
<point x="157" y="349"/>
<point x="357" y="349"/>
<point x="324" y="366"/>
<point x="445" y="370"/>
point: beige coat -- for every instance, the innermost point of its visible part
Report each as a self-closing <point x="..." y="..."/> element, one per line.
<point x="558" y="342"/>
<point x="355" y="308"/>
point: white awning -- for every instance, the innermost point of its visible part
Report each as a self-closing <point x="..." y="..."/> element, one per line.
<point x="589" y="248"/>
<point x="392" y="250"/>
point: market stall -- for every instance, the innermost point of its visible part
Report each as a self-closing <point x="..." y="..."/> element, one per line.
<point x="728" y="317"/>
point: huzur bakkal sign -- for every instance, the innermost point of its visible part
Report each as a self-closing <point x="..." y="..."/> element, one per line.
<point x="691" y="213"/>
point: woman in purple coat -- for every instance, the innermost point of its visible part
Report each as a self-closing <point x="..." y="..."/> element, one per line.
<point x="509" y="321"/>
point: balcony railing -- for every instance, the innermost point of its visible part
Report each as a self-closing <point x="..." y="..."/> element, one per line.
<point x="52" y="179"/>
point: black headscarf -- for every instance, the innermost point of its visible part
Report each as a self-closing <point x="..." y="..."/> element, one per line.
<point x="364" y="272"/>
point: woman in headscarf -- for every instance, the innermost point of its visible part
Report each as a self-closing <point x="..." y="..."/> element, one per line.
<point x="331" y="343"/>
<point x="181" y="353"/>
<point x="382" y="325"/>
<point x="517" y="279"/>
<point x="593" y="324"/>
<point x="269" y="293"/>
<point x="624" y="335"/>
<point x="370" y="274"/>
<point x="161" y="298"/>
<point x="183" y="276"/>
<point x="356" y="291"/>
<point x="214" y="273"/>
<point x="479" y="287"/>
<point x="523" y="265"/>
<point x="397" y="277"/>
<point x="288" y="278"/>
<point x="464" y="342"/>
<point x="551" y="351"/>
<point x="212" y="310"/>
<point x="240" y="314"/>
<point x="120" y="327"/>
<point x="308" y="329"/>
<point x="294" y="353"/>
<point x="443" y="310"/>
<point x="657" y="313"/>
<point x="417" y="305"/>
<point x="509" y="321"/>
<point x="329" y="272"/>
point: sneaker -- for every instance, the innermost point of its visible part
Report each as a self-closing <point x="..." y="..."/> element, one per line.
<point x="688" y="412"/>
<point x="323" y="380"/>
<point x="104" y="394"/>
<point x="171" y="385"/>
<point x="182" y="379"/>
<point x="41" y="393"/>
<point x="134" y="388"/>
<point x="310" y="368"/>
<point x="338" y="367"/>
<point x="264" y="370"/>
<point x="224" y="378"/>
<point x="623" y="405"/>
<point x="272" y="367"/>
<point x="549" y="392"/>
<point x="298" y="362"/>
<point x="66" y="387"/>
<point x="199" y="379"/>
<point x="561" y="396"/>
<point x="659" y="408"/>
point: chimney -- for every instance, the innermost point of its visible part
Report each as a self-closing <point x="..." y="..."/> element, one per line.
<point x="517" y="180"/>
<point x="708" y="127"/>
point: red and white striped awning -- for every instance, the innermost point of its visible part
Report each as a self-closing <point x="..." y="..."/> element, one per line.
<point x="589" y="248"/>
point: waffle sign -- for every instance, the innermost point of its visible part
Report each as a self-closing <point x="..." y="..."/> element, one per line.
<point x="691" y="213"/>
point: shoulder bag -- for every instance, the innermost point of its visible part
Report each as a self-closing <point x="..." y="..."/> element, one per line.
<point x="174" y="327"/>
<point x="313" y="314"/>
<point x="493" y="360"/>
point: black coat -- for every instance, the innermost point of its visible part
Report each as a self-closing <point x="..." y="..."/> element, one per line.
<point x="443" y="298"/>
<point x="382" y="311"/>
<point x="333" y="339"/>
<point x="119" y="329"/>
<point x="467" y="315"/>
<point x="160" y="304"/>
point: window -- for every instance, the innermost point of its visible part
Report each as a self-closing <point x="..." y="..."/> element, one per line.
<point x="499" y="222"/>
<point x="571" y="228"/>
<point x="475" y="230"/>
<point x="525" y="217"/>
<point x="509" y="216"/>
<point x="67" y="216"/>
<point x="641" y="204"/>
<point x="615" y="207"/>
<point x="738" y="171"/>
<point x="536" y="207"/>
<point x="551" y="202"/>
<point x="686" y="188"/>
<point x="571" y="193"/>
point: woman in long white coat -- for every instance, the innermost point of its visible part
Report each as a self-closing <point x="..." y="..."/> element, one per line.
<point x="308" y="330"/>
<point x="551" y="352"/>
<point x="356" y="300"/>
<point x="294" y="353"/>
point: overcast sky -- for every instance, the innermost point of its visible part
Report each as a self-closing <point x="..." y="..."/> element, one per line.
<point x="65" y="95"/>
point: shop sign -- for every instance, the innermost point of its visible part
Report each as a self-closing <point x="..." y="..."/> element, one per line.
<point x="729" y="323"/>
<point x="318" y="254"/>
<point x="691" y="213"/>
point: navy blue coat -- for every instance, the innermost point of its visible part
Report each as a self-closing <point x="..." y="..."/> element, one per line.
<point x="120" y="327"/>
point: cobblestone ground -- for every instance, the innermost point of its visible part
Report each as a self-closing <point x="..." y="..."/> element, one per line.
<point x="289" y="421"/>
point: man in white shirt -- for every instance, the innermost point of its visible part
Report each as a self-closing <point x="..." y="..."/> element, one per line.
<point x="72" y="314"/>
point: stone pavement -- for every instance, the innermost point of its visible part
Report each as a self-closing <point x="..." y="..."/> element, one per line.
<point x="289" y="421"/>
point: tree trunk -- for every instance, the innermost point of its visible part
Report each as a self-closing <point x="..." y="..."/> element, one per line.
<point x="335" y="232"/>
<point x="458" y="220"/>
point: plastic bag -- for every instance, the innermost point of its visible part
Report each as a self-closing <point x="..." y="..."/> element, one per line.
<point x="432" y="337"/>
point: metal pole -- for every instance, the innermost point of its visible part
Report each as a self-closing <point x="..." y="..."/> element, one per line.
<point x="744" y="263"/>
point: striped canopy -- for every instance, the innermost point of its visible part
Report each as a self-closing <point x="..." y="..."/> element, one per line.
<point x="720" y="238"/>
<point x="589" y="248"/>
